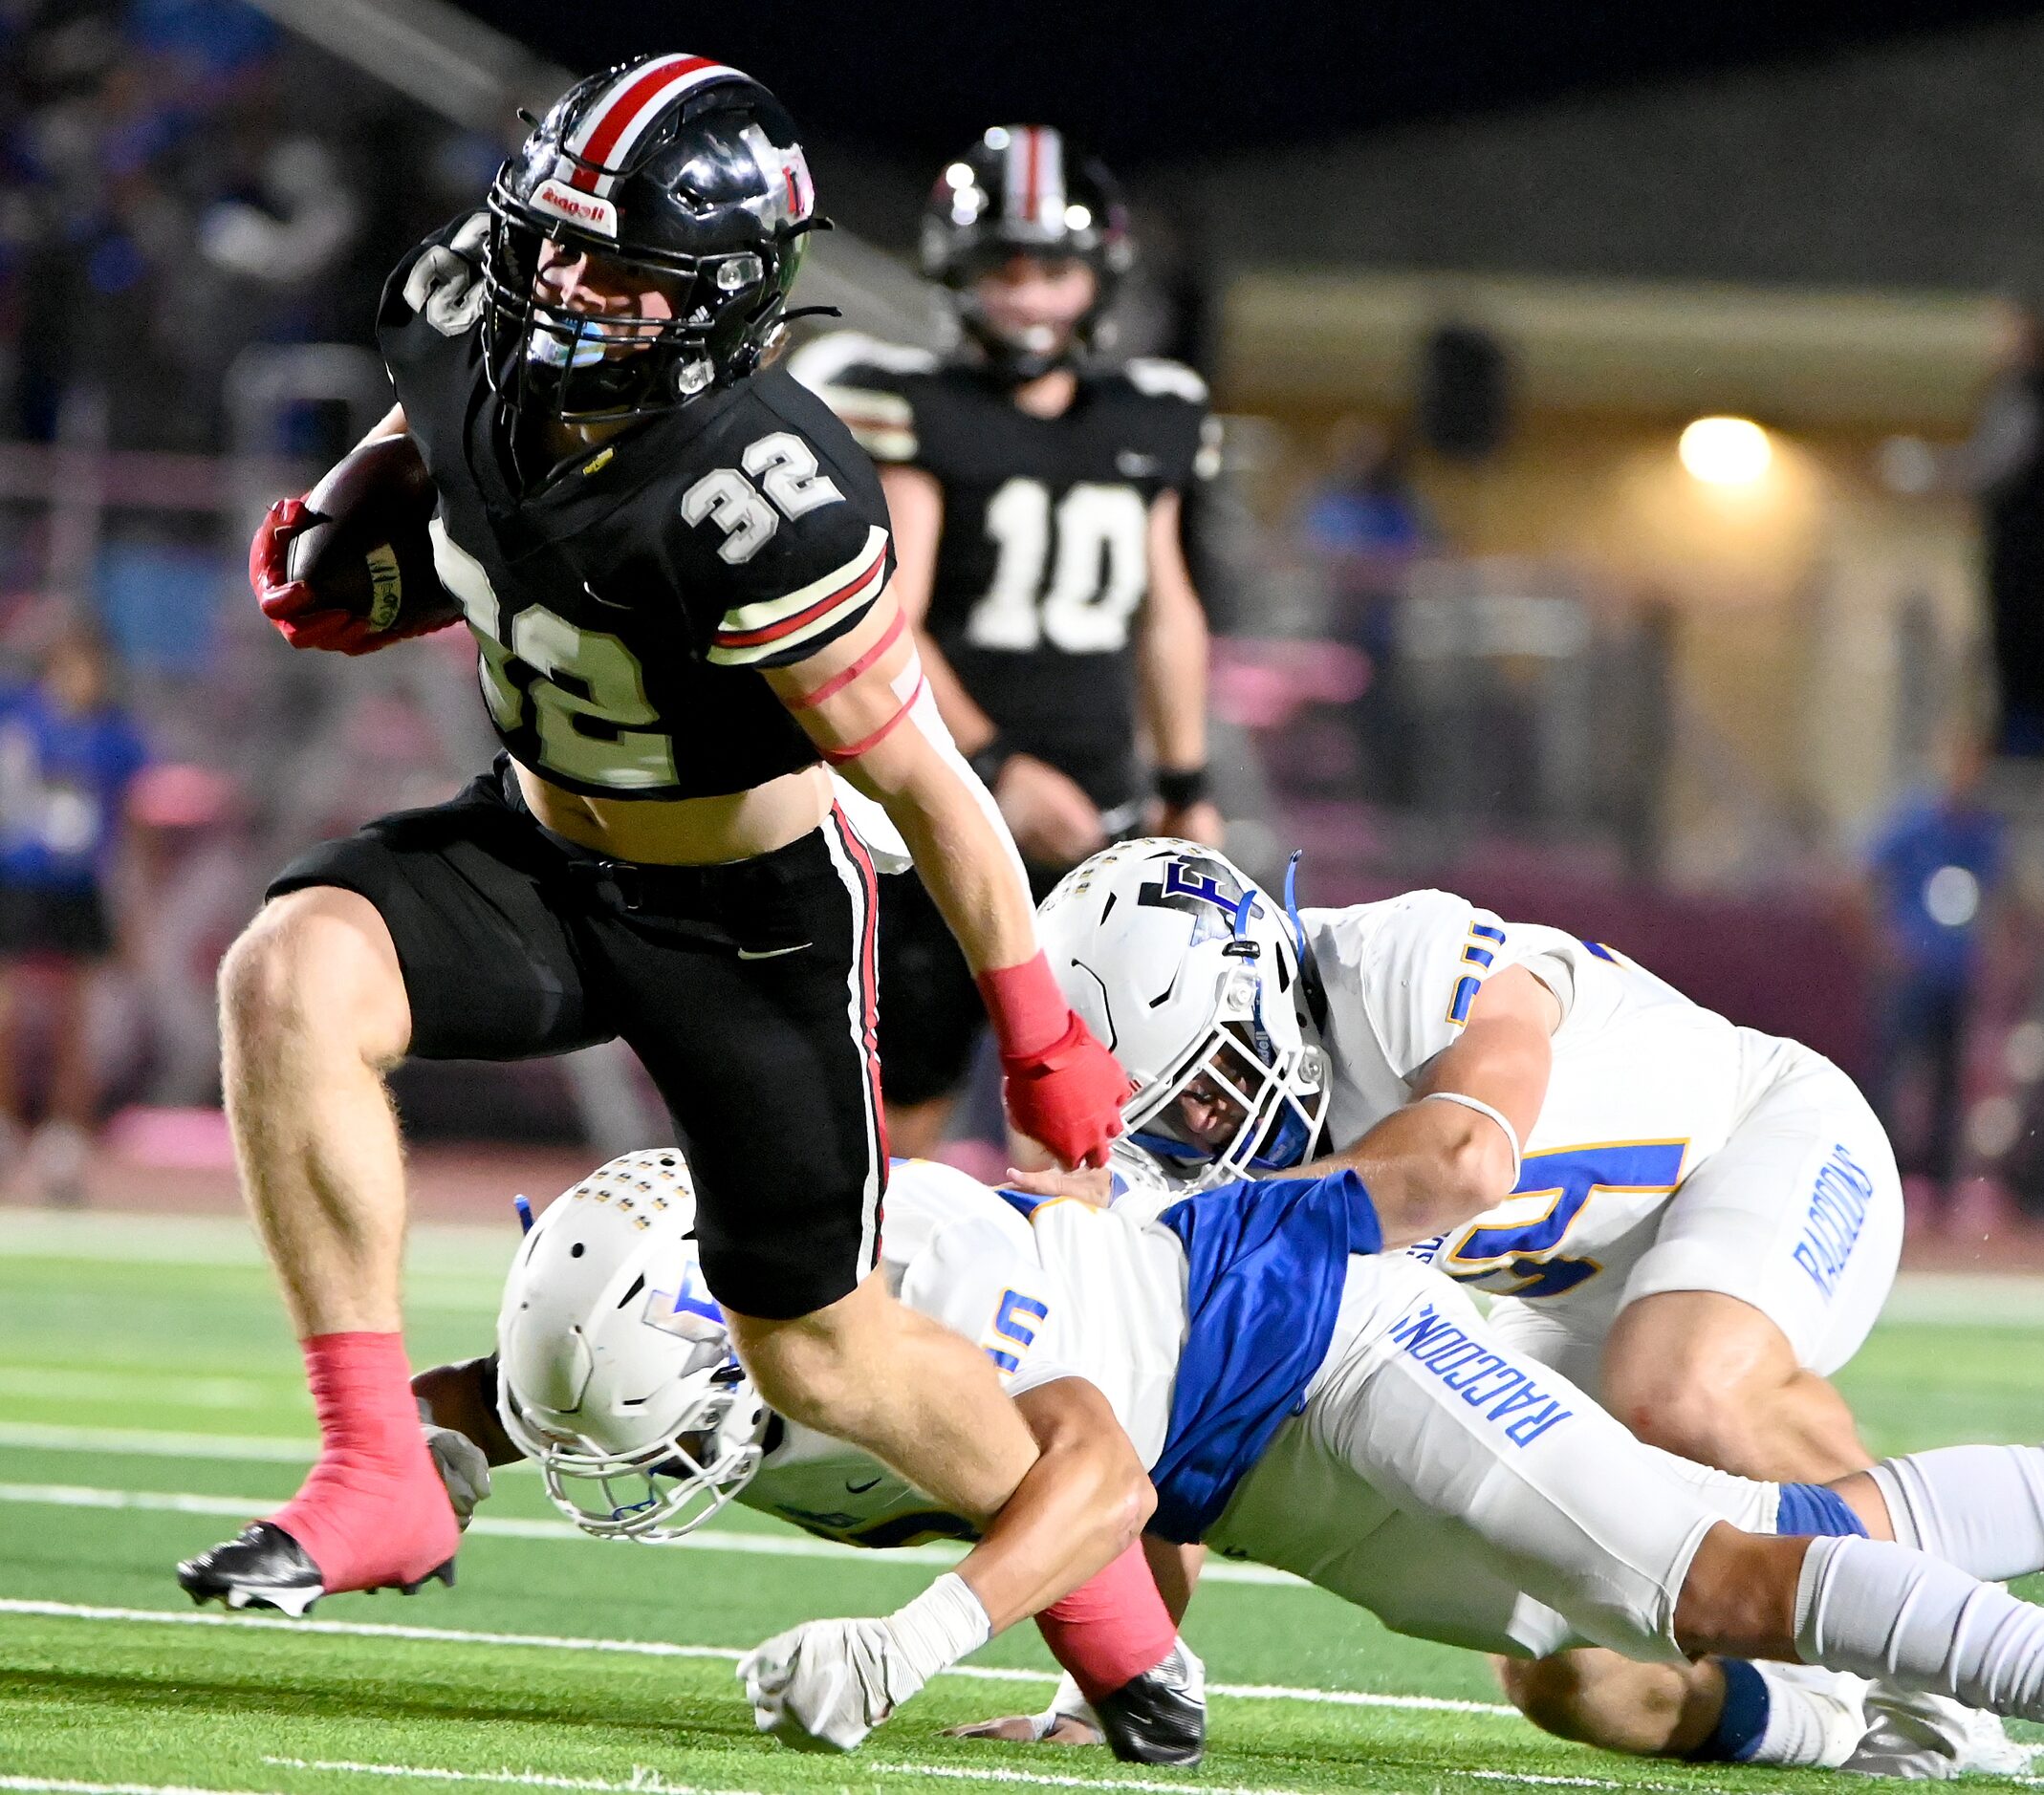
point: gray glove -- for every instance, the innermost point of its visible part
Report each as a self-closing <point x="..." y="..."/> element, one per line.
<point x="462" y="1465"/>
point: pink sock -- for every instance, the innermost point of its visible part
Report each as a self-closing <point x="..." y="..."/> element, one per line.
<point x="372" y="1511"/>
<point x="1112" y="1628"/>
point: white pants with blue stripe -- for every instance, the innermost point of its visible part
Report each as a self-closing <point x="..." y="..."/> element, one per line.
<point x="1463" y="1491"/>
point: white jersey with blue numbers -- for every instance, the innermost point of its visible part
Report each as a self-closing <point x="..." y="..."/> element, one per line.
<point x="1201" y="1327"/>
<point x="1306" y="1401"/>
<point x="1645" y="1087"/>
<point x="1069" y="1292"/>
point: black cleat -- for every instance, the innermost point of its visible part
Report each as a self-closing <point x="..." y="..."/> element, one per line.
<point x="263" y="1567"/>
<point x="1160" y="1716"/>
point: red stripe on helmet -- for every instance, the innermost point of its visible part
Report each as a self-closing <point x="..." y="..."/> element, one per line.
<point x="646" y="91"/>
<point x="1031" y="151"/>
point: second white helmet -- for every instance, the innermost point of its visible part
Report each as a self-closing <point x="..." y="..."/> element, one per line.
<point x="615" y="1368"/>
<point x="1192" y="976"/>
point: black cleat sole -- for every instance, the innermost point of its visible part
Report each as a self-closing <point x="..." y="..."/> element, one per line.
<point x="440" y="1574"/>
<point x="263" y="1567"/>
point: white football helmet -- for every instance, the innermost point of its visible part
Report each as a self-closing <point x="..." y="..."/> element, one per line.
<point x="615" y="1371"/>
<point x="1193" y="974"/>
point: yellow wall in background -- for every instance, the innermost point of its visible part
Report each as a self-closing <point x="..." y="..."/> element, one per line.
<point x="1785" y="593"/>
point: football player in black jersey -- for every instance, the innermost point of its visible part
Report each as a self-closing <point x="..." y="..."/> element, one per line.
<point x="1035" y="497"/>
<point x="675" y="563"/>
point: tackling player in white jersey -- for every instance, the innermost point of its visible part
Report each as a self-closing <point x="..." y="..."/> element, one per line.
<point x="1295" y="1395"/>
<point x="1694" y="1222"/>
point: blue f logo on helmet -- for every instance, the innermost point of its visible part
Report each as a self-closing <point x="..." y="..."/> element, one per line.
<point x="1193" y="978"/>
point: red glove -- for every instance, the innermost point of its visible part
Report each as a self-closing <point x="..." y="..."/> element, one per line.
<point x="1061" y="1086"/>
<point x="294" y="608"/>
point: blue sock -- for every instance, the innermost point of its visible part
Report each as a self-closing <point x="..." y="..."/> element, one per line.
<point x="1741" y="1721"/>
<point x="1810" y="1508"/>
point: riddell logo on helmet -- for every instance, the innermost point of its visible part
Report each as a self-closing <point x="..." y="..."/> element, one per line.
<point x="580" y="208"/>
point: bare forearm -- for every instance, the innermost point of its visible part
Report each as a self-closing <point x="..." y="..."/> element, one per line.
<point x="1083" y="1502"/>
<point x="883" y="732"/>
<point x="1453" y="1153"/>
<point x="1173" y="649"/>
<point x="964" y="857"/>
<point x="1429" y="1167"/>
<point x="1172" y="675"/>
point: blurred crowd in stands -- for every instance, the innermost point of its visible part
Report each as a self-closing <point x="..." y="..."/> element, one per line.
<point x="179" y="179"/>
<point x="185" y="188"/>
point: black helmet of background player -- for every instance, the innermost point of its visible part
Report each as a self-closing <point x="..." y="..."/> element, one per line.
<point x="688" y="177"/>
<point x="1025" y="190"/>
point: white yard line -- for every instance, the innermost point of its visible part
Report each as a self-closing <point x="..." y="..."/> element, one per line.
<point x="442" y="1250"/>
<point x="651" y="1783"/>
<point x="663" y="1649"/>
<point x="643" y="1781"/>
<point x="789" y="1544"/>
<point x="46" y="1785"/>
<point x="151" y="1388"/>
<point x="1570" y="1781"/>
<point x="157" y="1443"/>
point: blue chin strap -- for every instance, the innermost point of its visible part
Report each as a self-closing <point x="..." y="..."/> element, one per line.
<point x="1289" y="1140"/>
<point x="1285" y="1143"/>
<point x="1169" y="1147"/>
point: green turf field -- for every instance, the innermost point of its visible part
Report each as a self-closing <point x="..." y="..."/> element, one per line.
<point x="150" y="1401"/>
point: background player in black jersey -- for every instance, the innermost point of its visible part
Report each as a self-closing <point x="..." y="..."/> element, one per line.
<point x="675" y="564"/>
<point x="1035" y="500"/>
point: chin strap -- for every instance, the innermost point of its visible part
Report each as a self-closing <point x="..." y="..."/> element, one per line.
<point x="1292" y="899"/>
<point x="1311" y="983"/>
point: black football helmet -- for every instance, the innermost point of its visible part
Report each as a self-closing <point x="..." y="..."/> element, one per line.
<point x="684" y="170"/>
<point x="1024" y="188"/>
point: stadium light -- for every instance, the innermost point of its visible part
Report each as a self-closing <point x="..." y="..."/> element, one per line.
<point x="1726" y="451"/>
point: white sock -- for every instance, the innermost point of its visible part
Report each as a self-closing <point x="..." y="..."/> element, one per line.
<point x="1882" y="1611"/>
<point x="1979" y="1507"/>
<point x="1812" y="1715"/>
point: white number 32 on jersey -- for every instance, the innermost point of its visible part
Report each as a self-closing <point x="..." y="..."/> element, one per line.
<point x="784" y="468"/>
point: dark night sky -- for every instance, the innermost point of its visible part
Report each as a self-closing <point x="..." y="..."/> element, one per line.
<point x="1150" y="82"/>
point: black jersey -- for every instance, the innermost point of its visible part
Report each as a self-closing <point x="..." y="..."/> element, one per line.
<point x="624" y="605"/>
<point x="1044" y="559"/>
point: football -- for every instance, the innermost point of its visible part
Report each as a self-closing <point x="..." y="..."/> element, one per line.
<point x="368" y="550"/>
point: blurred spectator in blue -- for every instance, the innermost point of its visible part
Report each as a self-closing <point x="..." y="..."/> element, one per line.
<point x="68" y="753"/>
<point x="1364" y="528"/>
<point x="1933" y="871"/>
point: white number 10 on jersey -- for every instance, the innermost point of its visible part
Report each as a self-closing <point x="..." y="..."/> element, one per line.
<point x="1097" y="579"/>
